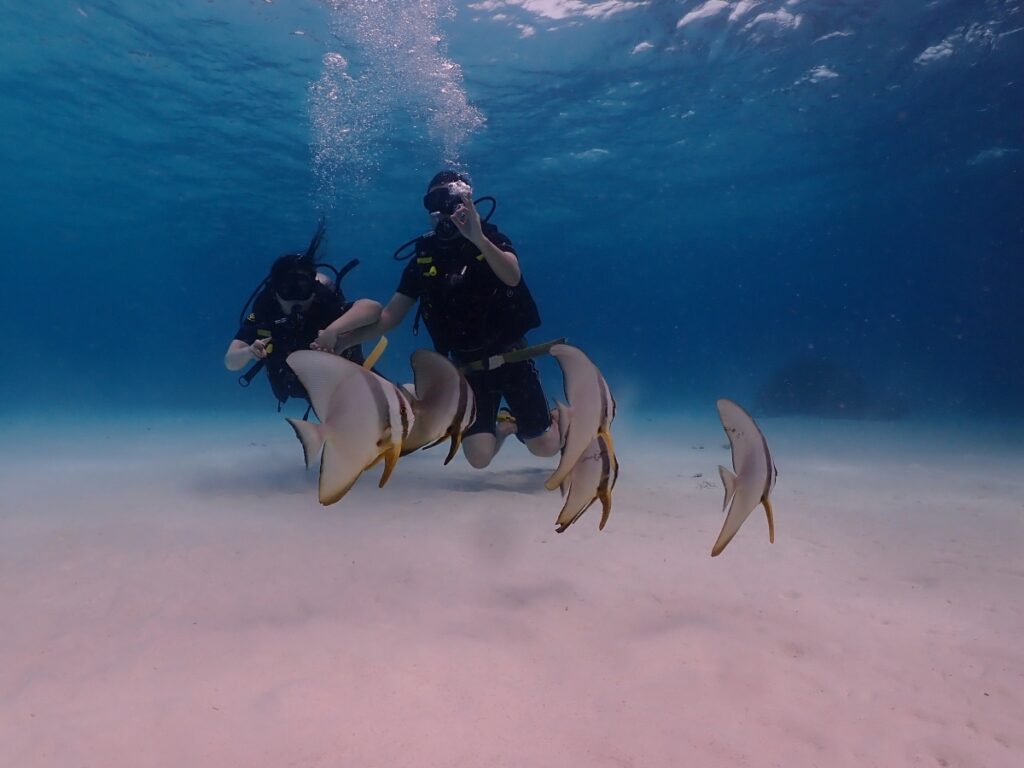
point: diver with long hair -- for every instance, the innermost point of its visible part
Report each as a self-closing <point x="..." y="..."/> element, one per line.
<point x="297" y="307"/>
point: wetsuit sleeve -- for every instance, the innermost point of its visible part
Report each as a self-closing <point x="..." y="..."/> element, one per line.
<point x="409" y="284"/>
<point x="336" y="308"/>
<point x="247" y="330"/>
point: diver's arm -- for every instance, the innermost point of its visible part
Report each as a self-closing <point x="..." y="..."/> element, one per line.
<point x="504" y="264"/>
<point x="239" y="353"/>
<point x="392" y="314"/>
<point x="362" y="312"/>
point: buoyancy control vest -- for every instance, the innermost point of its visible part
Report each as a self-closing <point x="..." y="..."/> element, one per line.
<point x="467" y="309"/>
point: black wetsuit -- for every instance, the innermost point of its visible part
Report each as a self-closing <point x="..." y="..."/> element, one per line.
<point x="293" y="333"/>
<point x="471" y="315"/>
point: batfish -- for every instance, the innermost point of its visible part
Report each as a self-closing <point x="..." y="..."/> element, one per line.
<point x="363" y="419"/>
<point x="590" y="480"/>
<point x="753" y="476"/>
<point x="590" y="412"/>
<point x="443" y="403"/>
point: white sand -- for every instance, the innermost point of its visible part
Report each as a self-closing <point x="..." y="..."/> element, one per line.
<point x="172" y="595"/>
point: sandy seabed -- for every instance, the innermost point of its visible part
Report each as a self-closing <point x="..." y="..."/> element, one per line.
<point x="171" y="594"/>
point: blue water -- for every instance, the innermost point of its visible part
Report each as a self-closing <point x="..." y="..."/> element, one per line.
<point x="699" y="191"/>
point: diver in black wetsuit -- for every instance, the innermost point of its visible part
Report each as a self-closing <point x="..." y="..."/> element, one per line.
<point x="296" y="308"/>
<point x="465" y="274"/>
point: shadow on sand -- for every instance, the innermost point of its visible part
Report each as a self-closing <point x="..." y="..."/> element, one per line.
<point x="255" y="479"/>
<point x="526" y="480"/>
<point x="262" y="478"/>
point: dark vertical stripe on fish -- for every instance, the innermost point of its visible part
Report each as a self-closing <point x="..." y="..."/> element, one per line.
<point x="403" y="411"/>
<point x="771" y="464"/>
<point x="460" y="409"/>
<point x="380" y="399"/>
<point x="606" y="464"/>
<point x="604" y="397"/>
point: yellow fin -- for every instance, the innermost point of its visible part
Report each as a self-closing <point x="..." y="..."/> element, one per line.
<point x="606" y="506"/>
<point x="771" y="519"/>
<point x="456" y="442"/>
<point x="390" y="457"/>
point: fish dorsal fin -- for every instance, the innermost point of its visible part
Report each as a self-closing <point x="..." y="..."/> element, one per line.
<point x="729" y="483"/>
<point x="746" y="441"/>
<point x="321" y="374"/>
<point x="439" y="399"/>
<point x="432" y="374"/>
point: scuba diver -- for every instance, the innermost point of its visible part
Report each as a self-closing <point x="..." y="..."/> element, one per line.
<point x="465" y="274"/>
<point x="296" y="307"/>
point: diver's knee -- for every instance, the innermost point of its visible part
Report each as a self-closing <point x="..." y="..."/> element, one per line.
<point x="478" y="450"/>
<point x="477" y="461"/>
<point x="544" y="445"/>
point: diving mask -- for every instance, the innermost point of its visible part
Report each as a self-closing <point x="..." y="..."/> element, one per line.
<point x="443" y="200"/>
<point x="295" y="286"/>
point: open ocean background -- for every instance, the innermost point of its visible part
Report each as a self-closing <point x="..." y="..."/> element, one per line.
<point x="701" y="192"/>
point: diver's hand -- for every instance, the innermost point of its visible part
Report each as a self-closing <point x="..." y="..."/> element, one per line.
<point x="259" y="348"/>
<point x="325" y="341"/>
<point x="467" y="220"/>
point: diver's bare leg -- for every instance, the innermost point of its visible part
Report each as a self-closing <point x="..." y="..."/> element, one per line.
<point x="481" y="448"/>
<point x="547" y="444"/>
